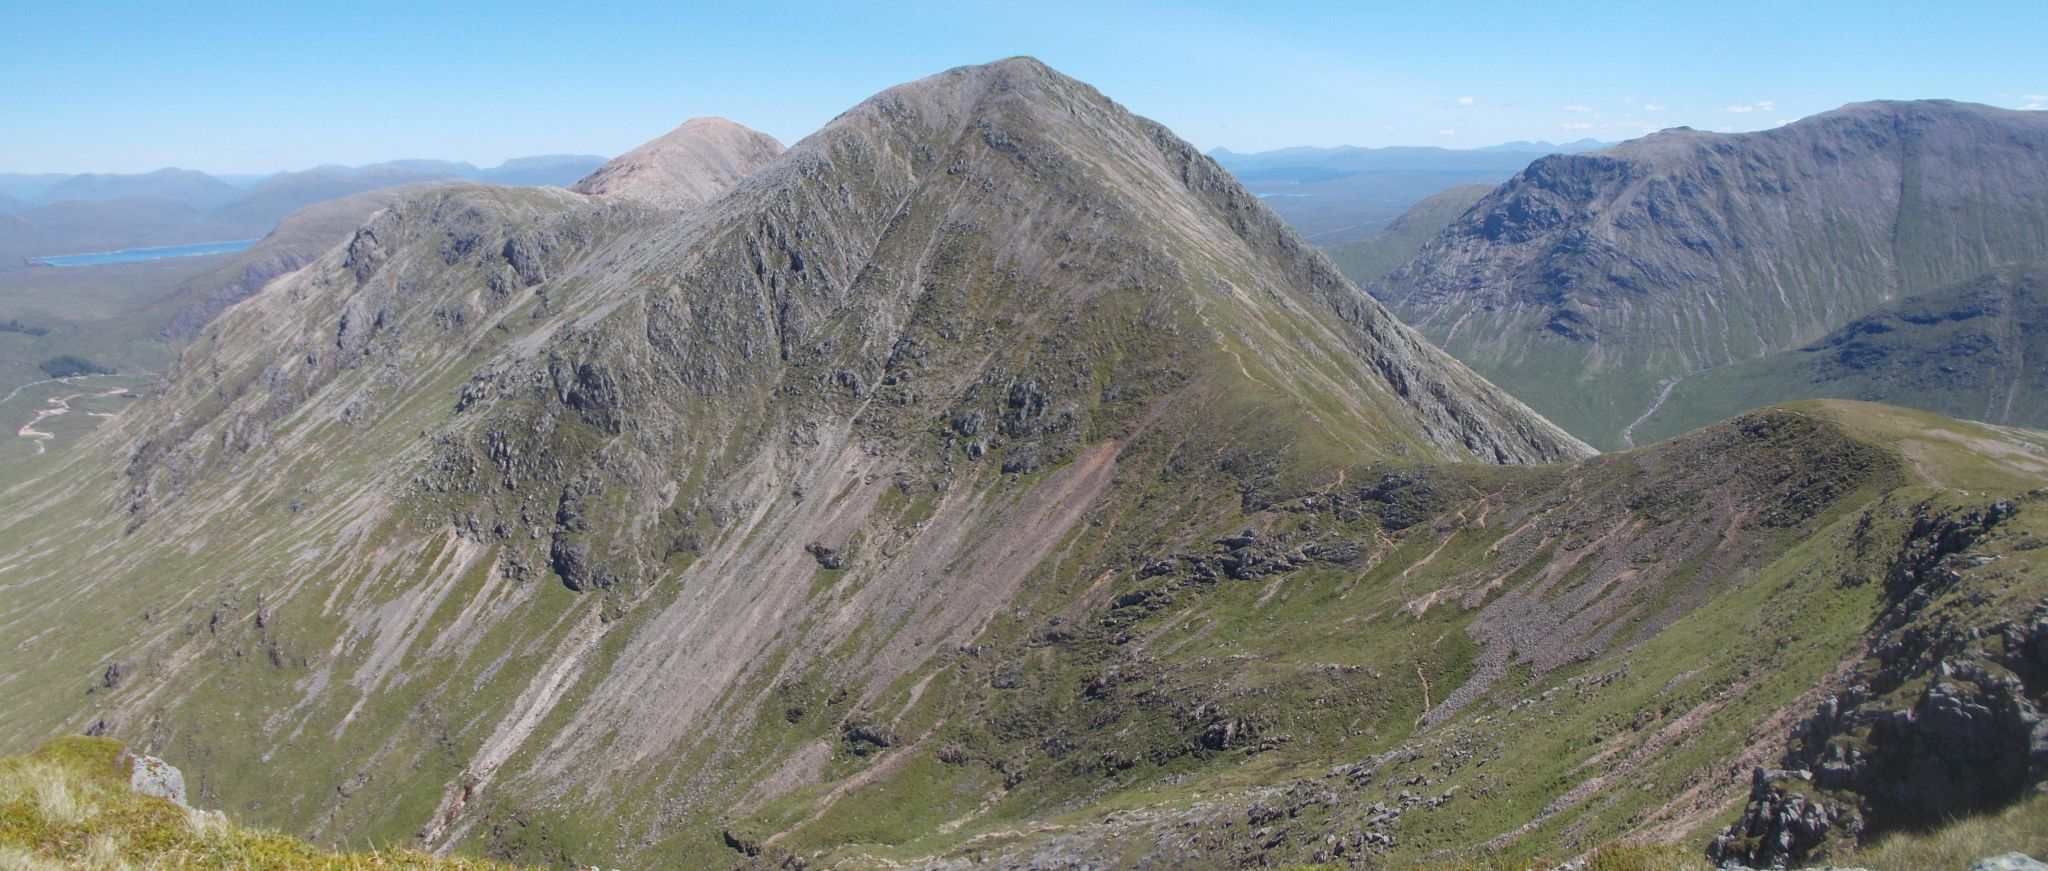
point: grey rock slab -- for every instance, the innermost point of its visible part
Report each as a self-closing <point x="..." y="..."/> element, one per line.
<point x="153" y="776"/>
<point x="2014" y="861"/>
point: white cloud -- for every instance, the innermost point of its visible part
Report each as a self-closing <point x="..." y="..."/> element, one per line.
<point x="1576" y="125"/>
<point x="1447" y="131"/>
<point x="1653" y="107"/>
<point x="2035" y="106"/>
<point x="1467" y="102"/>
<point x="2035" y="98"/>
<point x="1740" y="109"/>
<point x="1575" y="107"/>
<point x="1725" y="129"/>
<point x="1781" y="122"/>
<point x="1767" y="105"/>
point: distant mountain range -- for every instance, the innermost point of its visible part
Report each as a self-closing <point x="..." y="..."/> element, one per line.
<point x="1346" y="193"/>
<point x="69" y="214"/>
<point x="204" y="191"/>
<point x="1588" y="283"/>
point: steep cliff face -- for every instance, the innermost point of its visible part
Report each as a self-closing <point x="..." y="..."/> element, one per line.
<point x="1586" y="279"/>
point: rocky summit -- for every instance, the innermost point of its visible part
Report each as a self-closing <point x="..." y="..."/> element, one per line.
<point x="988" y="480"/>
<point x="1589" y="283"/>
<point x="691" y="164"/>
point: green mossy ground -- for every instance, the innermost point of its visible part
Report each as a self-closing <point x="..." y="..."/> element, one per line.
<point x="69" y="805"/>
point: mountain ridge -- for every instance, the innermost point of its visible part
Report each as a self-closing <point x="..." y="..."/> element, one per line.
<point x="600" y="322"/>
<point x="990" y="475"/>
<point x="1587" y="278"/>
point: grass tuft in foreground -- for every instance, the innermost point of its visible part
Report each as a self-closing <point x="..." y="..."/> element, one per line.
<point x="69" y="806"/>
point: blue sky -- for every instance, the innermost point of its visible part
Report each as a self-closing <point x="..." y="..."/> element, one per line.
<point x="251" y="87"/>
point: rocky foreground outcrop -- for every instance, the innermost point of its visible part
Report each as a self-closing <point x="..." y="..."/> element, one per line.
<point x="1944" y="718"/>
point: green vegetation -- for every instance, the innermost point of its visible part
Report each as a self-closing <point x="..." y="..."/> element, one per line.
<point x="71" y="366"/>
<point x="108" y="314"/>
<point x="2022" y="828"/>
<point x="69" y="805"/>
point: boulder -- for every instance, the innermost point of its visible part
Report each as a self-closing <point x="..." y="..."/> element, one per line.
<point x="153" y="776"/>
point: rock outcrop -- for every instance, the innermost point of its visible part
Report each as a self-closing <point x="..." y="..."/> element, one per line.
<point x="152" y="776"/>
<point x="1943" y="720"/>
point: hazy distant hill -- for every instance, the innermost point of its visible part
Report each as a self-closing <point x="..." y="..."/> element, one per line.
<point x="555" y="170"/>
<point x="1588" y="279"/>
<point x="1334" y="195"/>
<point x="79" y="226"/>
<point x="1370" y="259"/>
<point x="280" y="195"/>
<point x="25" y="186"/>
<point x="96" y="212"/>
<point x="193" y="188"/>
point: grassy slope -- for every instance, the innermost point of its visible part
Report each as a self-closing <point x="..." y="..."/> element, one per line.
<point x="69" y="805"/>
<point x="1324" y="667"/>
<point x="328" y="672"/>
<point x="95" y="312"/>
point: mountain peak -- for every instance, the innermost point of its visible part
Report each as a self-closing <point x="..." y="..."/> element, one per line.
<point x="686" y="166"/>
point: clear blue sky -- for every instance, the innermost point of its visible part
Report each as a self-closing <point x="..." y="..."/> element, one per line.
<point x="251" y="87"/>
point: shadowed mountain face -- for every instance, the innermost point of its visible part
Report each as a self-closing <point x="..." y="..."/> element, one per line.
<point x="1586" y="279"/>
<point x="988" y="458"/>
<point x="1971" y="350"/>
